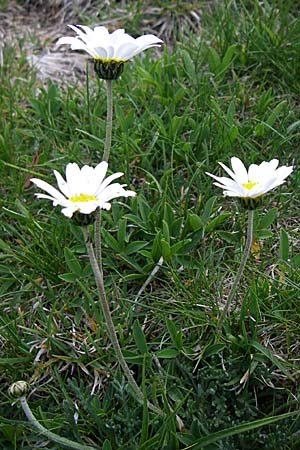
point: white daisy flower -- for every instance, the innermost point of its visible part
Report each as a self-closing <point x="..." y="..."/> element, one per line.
<point x="84" y="190"/>
<point x="251" y="184"/>
<point x="117" y="46"/>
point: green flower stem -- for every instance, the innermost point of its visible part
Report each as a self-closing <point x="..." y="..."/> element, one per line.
<point x="241" y="268"/>
<point x="97" y="236"/>
<point x="49" y="434"/>
<point x="98" y="274"/>
<point x="109" y="115"/>
<point x="107" y="145"/>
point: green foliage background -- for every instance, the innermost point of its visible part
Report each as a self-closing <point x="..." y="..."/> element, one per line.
<point x="225" y="84"/>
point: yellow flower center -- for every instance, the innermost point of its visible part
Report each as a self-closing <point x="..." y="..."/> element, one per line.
<point x="249" y="185"/>
<point x="82" y="198"/>
<point x="110" y="60"/>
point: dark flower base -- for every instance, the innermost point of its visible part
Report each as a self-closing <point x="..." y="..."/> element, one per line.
<point x="84" y="219"/>
<point x="108" y="70"/>
<point x="250" y="203"/>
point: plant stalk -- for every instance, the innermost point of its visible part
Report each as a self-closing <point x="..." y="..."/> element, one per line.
<point x="240" y="271"/>
<point x="98" y="274"/>
<point x="49" y="434"/>
<point x="109" y="117"/>
<point x="107" y="146"/>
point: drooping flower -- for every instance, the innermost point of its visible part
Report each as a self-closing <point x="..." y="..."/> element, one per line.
<point x="254" y="183"/>
<point x="109" y="50"/>
<point x="84" y="190"/>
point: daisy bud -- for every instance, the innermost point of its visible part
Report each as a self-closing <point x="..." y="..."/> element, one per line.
<point x="18" y="389"/>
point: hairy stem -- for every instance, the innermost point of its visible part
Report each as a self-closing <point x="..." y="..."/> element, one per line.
<point x="98" y="274"/>
<point x="49" y="434"/>
<point x="107" y="146"/>
<point x="240" y="270"/>
<point x="109" y="115"/>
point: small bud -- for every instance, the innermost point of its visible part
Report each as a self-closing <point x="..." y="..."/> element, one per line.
<point x="108" y="70"/>
<point x="18" y="389"/>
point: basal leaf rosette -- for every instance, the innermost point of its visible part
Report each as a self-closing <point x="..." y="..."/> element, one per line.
<point x="83" y="191"/>
<point x="109" y="50"/>
<point x="252" y="184"/>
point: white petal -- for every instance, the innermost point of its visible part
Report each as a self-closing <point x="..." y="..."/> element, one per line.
<point x="232" y="194"/>
<point x="100" y="52"/>
<point x="87" y="207"/>
<point x="67" y="40"/>
<point x="126" y="50"/>
<point x="69" y="211"/>
<point x="253" y="172"/>
<point x="101" y="33"/>
<point x="119" y="36"/>
<point x="113" y="191"/>
<point x="147" y="41"/>
<point x="240" y="172"/>
<point x="283" y="172"/>
<point x="106" y="182"/>
<point x="73" y="178"/>
<point x="229" y="171"/>
<point x="62" y="184"/>
<point x="49" y="189"/>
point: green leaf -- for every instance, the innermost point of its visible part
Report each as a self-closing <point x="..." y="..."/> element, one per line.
<point x="207" y="210"/>
<point x="230" y="113"/>
<point x="214" y="223"/>
<point x="222" y="434"/>
<point x="165" y="248"/>
<point x="167" y="353"/>
<point x="179" y="245"/>
<point x="175" y="335"/>
<point x="214" y="59"/>
<point x="166" y="232"/>
<point x="228" y="57"/>
<point x="195" y="221"/>
<point x="268" y="218"/>
<point x="106" y="445"/>
<point x="276" y="113"/>
<point x="213" y="349"/>
<point x="111" y="241"/>
<point x="134" y="247"/>
<point x="68" y="277"/>
<point x="72" y="262"/>
<point x="122" y="233"/>
<point x="230" y="237"/>
<point x="284" y="245"/>
<point x="263" y="234"/>
<point x="18" y="360"/>
<point x="139" y="337"/>
<point x="274" y="359"/>
<point x="188" y="64"/>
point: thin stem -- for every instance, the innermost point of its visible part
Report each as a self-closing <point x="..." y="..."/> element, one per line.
<point x="107" y="146"/>
<point x="109" y="114"/>
<point x="241" y="268"/>
<point x="49" y="434"/>
<point x="97" y="236"/>
<point x="98" y="274"/>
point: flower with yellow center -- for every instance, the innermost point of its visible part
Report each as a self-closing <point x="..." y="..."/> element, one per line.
<point x="253" y="183"/>
<point x="109" y="50"/>
<point x="84" y="190"/>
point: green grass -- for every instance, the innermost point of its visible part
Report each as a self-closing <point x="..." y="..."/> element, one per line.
<point x="229" y="90"/>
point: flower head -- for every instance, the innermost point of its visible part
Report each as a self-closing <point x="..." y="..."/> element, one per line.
<point x="254" y="183"/>
<point x="84" y="190"/>
<point x="116" y="47"/>
<point x="109" y="50"/>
